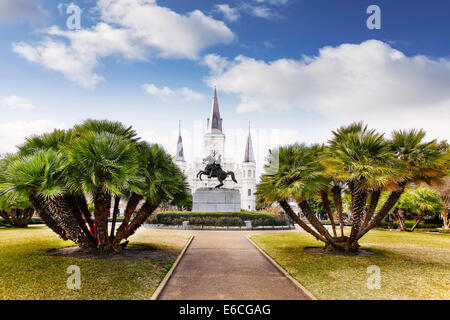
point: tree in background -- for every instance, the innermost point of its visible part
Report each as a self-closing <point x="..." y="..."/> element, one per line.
<point x="17" y="213"/>
<point x="357" y="161"/>
<point x="444" y="190"/>
<point x="420" y="202"/>
<point x="99" y="161"/>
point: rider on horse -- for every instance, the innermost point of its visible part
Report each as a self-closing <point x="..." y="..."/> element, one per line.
<point x="214" y="169"/>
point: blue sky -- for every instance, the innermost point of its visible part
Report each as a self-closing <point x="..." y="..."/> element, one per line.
<point x="296" y="68"/>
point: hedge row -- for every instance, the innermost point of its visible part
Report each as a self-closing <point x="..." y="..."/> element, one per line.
<point x="218" y="219"/>
<point x="409" y="224"/>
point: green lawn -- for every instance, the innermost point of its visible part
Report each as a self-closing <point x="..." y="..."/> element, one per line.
<point x="412" y="265"/>
<point x="26" y="272"/>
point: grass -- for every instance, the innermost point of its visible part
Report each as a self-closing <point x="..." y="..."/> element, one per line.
<point x="412" y="265"/>
<point x="26" y="272"/>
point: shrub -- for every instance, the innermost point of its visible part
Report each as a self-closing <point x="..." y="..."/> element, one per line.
<point x="218" y="219"/>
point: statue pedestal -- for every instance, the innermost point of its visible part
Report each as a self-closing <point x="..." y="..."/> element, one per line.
<point x="216" y="200"/>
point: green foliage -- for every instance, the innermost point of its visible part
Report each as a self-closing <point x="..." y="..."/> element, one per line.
<point x="60" y="170"/>
<point x="355" y="165"/>
<point x="100" y="161"/>
<point x="361" y="155"/>
<point x="421" y="201"/>
<point x="218" y="219"/>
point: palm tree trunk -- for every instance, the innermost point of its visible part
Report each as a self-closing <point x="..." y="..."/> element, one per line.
<point x="311" y="217"/>
<point x="46" y="217"/>
<point x="72" y="200"/>
<point x="143" y="214"/>
<point x="374" y="198"/>
<point x="61" y="211"/>
<point x="359" y="199"/>
<point x="400" y="218"/>
<point x="6" y="217"/>
<point x="102" y="204"/>
<point x="445" y="219"/>
<point x="114" y="218"/>
<point x="419" y="218"/>
<point x="21" y="217"/>
<point x="132" y="203"/>
<point x="337" y="198"/>
<point x="26" y="216"/>
<point x="385" y="209"/>
<point x="83" y="208"/>
<point x="287" y="208"/>
<point x="326" y="204"/>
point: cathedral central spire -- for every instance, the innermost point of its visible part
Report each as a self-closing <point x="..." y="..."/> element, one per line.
<point x="214" y="120"/>
<point x="249" y="155"/>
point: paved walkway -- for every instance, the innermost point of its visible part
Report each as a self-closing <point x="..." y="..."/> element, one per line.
<point x="225" y="265"/>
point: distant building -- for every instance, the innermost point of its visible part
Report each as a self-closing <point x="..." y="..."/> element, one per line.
<point x="214" y="141"/>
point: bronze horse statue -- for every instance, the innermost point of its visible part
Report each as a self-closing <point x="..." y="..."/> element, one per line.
<point x="214" y="170"/>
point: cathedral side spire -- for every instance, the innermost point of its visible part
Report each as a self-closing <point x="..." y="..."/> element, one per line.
<point x="249" y="155"/>
<point x="214" y="120"/>
<point x="180" y="151"/>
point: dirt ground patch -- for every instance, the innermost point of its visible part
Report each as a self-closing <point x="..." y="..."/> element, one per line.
<point x="361" y="253"/>
<point x="130" y="253"/>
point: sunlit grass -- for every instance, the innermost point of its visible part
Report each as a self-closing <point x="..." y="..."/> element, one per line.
<point x="27" y="272"/>
<point x="413" y="265"/>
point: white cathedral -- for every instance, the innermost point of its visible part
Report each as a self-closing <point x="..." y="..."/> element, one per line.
<point x="214" y="142"/>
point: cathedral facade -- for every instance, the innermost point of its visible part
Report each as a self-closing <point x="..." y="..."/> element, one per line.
<point x="214" y="145"/>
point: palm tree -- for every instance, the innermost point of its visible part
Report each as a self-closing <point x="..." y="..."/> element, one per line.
<point x="361" y="158"/>
<point x="97" y="160"/>
<point x="419" y="162"/>
<point x="300" y="176"/>
<point x="421" y="201"/>
<point x="15" y="212"/>
<point x="359" y="162"/>
<point x="39" y="177"/>
<point x="100" y="165"/>
<point x="162" y="182"/>
<point x="443" y="187"/>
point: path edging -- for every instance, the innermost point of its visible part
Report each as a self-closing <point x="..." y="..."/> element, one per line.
<point x="163" y="283"/>
<point x="284" y="272"/>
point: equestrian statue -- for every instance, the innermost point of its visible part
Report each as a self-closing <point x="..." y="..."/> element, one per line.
<point x="213" y="169"/>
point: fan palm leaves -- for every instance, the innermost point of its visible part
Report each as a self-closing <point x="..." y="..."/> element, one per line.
<point x="358" y="161"/>
<point x="52" y="140"/>
<point x="96" y="160"/>
<point x="162" y="182"/>
<point x="419" y="160"/>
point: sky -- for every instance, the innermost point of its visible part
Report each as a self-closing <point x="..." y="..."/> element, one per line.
<point x="294" y="69"/>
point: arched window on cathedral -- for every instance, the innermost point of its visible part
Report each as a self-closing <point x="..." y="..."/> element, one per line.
<point x="249" y="192"/>
<point x="249" y="173"/>
<point x="214" y="123"/>
<point x="244" y="173"/>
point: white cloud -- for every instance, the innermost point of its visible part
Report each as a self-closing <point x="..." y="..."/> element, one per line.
<point x="14" y="133"/>
<point x="266" y="9"/>
<point x="20" y="9"/>
<point x="15" y="102"/>
<point x="167" y="94"/>
<point x="260" y="11"/>
<point x="132" y="29"/>
<point x="370" y="81"/>
<point x="273" y="2"/>
<point x="231" y="14"/>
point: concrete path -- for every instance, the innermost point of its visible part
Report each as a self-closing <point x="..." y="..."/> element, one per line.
<point x="225" y="265"/>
